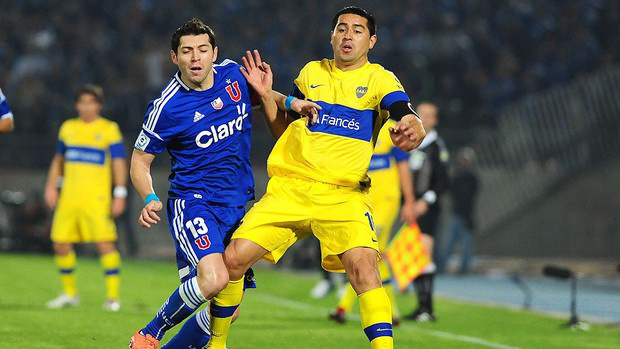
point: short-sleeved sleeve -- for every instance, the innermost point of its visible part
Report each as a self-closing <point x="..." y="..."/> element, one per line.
<point x="117" y="148"/>
<point x="390" y="90"/>
<point x="399" y="155"/>
<point x="60" y="145"/>
<point x="301" y="83"/>
<point x="5" y="111"/>
<point x="158" y="129"/>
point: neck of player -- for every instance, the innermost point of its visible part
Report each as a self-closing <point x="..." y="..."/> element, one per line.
<point x="348" y="66"/>
<point x="206" y="84"/>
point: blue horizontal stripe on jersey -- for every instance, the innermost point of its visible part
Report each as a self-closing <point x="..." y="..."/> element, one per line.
<point x="117" y="150"/>
<point x="399" y="155"/>
<point x="222" y="312"/>
<point x="344" y="121"/>
<point x="66" y="271"/>
<point x="381" y="329"/>
<point x="112" y="272"/>
<point x="392" y="97"/>
<point x="85" y="154"/>
<point x="379" y="162"/>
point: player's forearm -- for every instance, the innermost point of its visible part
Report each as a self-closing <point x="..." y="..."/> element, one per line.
<point x="140" y="172"/>
<point x="276" y="121"/>
<point x="279" y="99"/>
<point x="119" y="172"/>
<point x="54" y="172"/>
<point x="6" y="125"/>
<point x="406" y="181"/>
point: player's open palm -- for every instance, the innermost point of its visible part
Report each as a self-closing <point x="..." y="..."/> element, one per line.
<point x="257" y="73"/>
<point x="148" y="215"/>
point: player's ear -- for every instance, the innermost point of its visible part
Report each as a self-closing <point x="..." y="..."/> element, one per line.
<point x="173" y="56"/>
<point x="373" y="41"/>
<point x="331" y="37"/>
<point x="214" y="54"/>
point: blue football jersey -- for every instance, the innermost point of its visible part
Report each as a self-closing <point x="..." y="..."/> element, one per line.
<point x="207" y="134"/>
<point x="5" y="111"/>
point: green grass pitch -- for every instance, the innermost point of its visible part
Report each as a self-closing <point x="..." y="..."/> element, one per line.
<point x="279" y="314"/>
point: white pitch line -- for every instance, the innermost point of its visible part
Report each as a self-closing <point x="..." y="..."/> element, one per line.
<point x="287" y="303"/>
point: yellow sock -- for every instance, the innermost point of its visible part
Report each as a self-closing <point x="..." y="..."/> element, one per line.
<point x="223" y="306"/>
<point x="386" y="279"/>
<point x="66" y="266"/>
<point x="111" y="264"/>
<point x="377" y="318"/>
<point x="348" y="298"/>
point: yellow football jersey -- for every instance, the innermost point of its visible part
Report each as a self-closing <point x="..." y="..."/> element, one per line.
<point x="382" y="170"/>
<point x="88" y="149"/>
<point x="337" y="149"/>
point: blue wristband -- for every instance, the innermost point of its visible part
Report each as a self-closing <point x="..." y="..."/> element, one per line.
<point x="288" y="101"/>
<point x="151" y="197"/>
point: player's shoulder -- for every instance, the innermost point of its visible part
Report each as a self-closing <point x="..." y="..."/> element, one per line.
<point x="314" y="66"/>
<point x="380" y="72"/>
<point x="108" y="124"/>
<point x="2" y="97"/>
<point x="226" y="64"/>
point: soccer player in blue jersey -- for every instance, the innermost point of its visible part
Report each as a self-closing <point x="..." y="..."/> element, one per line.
<point x="203" y="119"/>
<point x="6" y="116"/>
<point x="319" y="183"/>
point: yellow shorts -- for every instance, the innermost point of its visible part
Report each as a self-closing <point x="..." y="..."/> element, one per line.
<point x="386" y="211"/>
<point x="293" y="208"/>
<point x="79" y="225"/>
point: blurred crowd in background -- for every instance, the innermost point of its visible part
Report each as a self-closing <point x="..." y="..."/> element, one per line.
<point x="470" y="57"/>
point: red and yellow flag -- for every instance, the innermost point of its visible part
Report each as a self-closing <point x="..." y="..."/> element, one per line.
<point x="407" y="255"/>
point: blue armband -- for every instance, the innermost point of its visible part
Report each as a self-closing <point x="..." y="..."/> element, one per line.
<point x="151" y="197"/>
<point x="288" y="101"/>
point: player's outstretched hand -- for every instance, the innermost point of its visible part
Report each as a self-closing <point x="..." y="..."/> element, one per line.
<point x="148" y="216"/>
<point x="408" y="133"/>
<point x="257" y="73"/>
<point x="306" y="108"/>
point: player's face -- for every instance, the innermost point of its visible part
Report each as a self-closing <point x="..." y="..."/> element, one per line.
<point x="195" y="57"/>
<point x="351" y="41"/>
<point x="428" y="115"/>
<point x="87" y="106"/>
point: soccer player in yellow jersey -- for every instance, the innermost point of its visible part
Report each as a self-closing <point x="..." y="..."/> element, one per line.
<point x="90" y="156"/>
<point x="319" y="183"/>
<point x="389" y="173"/>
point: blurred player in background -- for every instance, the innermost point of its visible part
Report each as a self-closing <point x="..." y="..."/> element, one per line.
<point x="429" y="163"/>
<point x="388" y="168"/>
<point x="6" y="116"/>
<point x="90" y="158"/>
<point x="203" y="119"/>
<point x="318" y="177"/>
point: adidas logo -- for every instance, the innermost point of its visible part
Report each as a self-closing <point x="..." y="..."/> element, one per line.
<point x="198" y="116"/>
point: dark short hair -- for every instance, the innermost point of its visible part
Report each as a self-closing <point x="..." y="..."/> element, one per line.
<point x="90" y="89"/>
<point x="192" y="27"/>
<point x="372" y="24"/>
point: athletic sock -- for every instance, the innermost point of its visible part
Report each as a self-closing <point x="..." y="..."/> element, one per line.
<point x="223" y="306"/>
<point x="386" y="280"/>
<point x="66" y="267"/>
<point x="377" y="318"/>
<point x="111" y="264"/>
<point x="195" y="332"/>
<point x="181" y="304"/>
<point x="348" y="298"/>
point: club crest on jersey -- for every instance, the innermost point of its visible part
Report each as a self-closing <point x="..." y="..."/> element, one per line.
<point x="217" y="103"/>
<point x="203" y="242"/>
<point x="361" y="91"/>
<point x="234" y="92"/>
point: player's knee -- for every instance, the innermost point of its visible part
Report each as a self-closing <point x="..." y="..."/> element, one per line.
<point x="235" y="264"/>
<point x="364" y="275"/>
<point x="212" y="283"/>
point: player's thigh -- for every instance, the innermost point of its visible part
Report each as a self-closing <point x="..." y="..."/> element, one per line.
<point x="240" y="255"/>
<point x="65" y="228"/>
<point x="195" y="230"/>
<point x="343" y="222"/>
<point x="278" y="219"/>
<point x="96" y="225"/>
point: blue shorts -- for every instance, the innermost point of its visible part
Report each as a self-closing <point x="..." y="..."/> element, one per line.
<point x="199" y="229"/>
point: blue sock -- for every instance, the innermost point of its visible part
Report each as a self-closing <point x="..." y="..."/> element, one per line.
<point x="193" y="334"/>
<point x="181" y="304"/>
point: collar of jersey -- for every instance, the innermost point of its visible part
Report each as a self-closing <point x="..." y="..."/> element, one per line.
<point x="341" y="73"/>
<point x="431" y="136"/>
